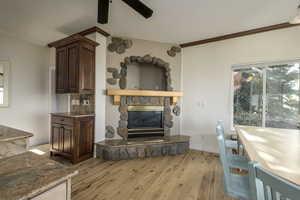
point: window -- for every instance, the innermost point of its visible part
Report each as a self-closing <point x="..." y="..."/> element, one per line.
<point x="267" y="95"/>
<point x="4" y="83"/>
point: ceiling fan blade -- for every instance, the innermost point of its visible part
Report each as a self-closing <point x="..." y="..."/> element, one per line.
<point x="103" y="9"/>
<point x="139" y="7"/>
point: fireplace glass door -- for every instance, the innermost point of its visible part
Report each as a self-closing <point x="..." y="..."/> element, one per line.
<point x="145" y="121"/>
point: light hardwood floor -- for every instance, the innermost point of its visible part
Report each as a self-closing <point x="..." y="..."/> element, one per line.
<point x="192" y="176"/>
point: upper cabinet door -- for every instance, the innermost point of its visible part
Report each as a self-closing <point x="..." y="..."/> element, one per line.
<point x="87" y="68"/>
<point x="73" y="68"/>
<point x="75" y="64"/>
<point x="61" y="70"/>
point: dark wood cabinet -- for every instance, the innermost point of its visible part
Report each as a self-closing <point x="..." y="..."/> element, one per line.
<point x="75" y="65"/>
<point x="62" y="70"/>
<point x="72" y="137"/>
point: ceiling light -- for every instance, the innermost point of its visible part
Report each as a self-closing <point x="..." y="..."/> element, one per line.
<point x="296" y="19"/>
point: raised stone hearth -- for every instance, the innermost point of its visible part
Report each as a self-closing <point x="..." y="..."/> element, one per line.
<point x="142" y="148"/>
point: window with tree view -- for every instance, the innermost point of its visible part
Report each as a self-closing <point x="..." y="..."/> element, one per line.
<point x="267" y="95"/>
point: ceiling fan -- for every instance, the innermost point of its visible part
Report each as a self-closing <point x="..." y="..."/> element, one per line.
<point x="137" y="5"/>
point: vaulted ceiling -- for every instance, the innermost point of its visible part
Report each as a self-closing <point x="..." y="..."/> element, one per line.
<point x="174" y="21"/>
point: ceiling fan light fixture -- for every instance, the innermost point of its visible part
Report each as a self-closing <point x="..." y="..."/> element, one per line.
<point x="296" y="19"/>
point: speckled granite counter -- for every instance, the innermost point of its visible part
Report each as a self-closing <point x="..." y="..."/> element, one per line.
<point x="73" y="115"/>
<point x="10" y="134"/>
<point x="27" y="175"/>
<point x="13" y="141"/>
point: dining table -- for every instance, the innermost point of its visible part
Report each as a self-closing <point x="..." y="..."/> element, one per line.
<point x="276" y="150"/>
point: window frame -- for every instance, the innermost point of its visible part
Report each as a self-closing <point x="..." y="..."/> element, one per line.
<point x="6" y="90"/>
<point x="263" y="65"/>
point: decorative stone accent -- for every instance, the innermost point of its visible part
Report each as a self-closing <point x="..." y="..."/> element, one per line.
<point x="123" y="123"/>
<point x="119" y="45"/>
<point x="176" y="49"/>
<point x="177" y="110"/>
<point x="111" y="81"/>
<point x="128" y="44"/>
<point x="116" y="75"/>
<point x="168" y="123"/>
<point x="123" y="132"/>
<point x="147" y="59"/>
<point x="173" y="51"/>
<point x="123" y="109"/>
<point x="121" y="49"/>
<point x="112" y="70"/>
<point x="123" y="83"/>
<point x="150" y="101"/>
<point x="110" y="132"/>
<point x="123" y="150"/>
<point x="124" y="116"/>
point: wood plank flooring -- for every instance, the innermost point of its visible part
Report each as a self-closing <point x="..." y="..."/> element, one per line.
<point x="192" y="176"/>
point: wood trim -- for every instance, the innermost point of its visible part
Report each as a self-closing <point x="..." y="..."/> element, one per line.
<point x="94" y="30"/>
<point x="239" y="34"/>
<point x="71" y="39"/>
<point x="145" y="93"/>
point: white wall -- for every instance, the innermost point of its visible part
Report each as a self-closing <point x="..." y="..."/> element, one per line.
<point x="29" y="95"/>
<point x="100" y="94"/>
<point x="207" y="78"/>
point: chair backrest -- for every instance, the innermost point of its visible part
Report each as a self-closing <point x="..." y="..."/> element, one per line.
<point x="222" y="149"/>
<point x="267" y="186"/>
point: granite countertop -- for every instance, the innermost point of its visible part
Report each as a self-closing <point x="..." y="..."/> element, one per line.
<point x="143" y="141"/>
<point x="26" y="175"/>
<point x="9" y="134"/>
<point x="74" y="115"/>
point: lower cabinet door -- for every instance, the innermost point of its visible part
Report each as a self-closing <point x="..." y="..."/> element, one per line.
<point x="55" y="137"/>
<point x="57" y="193"/>
<point x="86" y="137"/>
<point x="67" y="139"/>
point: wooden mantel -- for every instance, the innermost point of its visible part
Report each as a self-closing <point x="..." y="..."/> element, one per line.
<point x="145" y="93"/>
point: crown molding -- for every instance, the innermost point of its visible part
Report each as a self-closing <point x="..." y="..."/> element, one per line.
<point x="94" y="30"/>
<point x="239" y="34"/>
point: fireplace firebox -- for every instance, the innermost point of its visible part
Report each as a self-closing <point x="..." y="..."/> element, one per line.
<point x="145" y="121"/>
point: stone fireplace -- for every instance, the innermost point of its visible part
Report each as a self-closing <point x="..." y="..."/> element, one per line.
<point x="140" y="74"/>
<point x="144" y="98"/>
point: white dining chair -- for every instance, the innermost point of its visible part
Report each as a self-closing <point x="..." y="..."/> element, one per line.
<point x="235" y="184"/>
<point x="267" y="186"/>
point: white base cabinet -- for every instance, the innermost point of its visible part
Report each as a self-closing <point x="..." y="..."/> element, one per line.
<point x="59" y="192"/>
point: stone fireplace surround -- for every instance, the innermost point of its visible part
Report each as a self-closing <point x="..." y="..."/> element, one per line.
<point x="125" y="148"/>
<point x="126" y="101"/>
<point x="134" y="101"/>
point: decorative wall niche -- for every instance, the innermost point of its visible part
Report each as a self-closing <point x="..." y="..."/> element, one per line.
<point x="142" y="73"/>
<point x="154" y="73"/>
